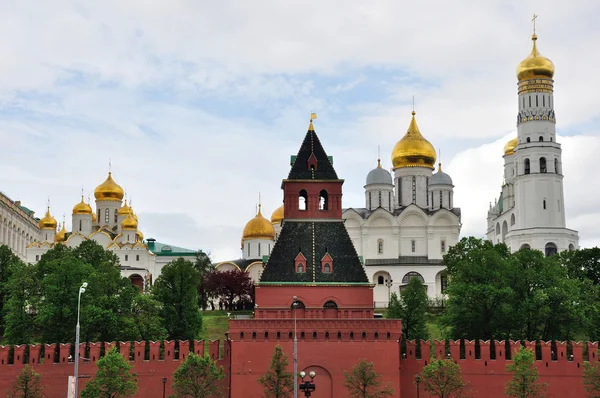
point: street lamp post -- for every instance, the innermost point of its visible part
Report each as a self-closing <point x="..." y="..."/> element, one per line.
<point x="164" y="386"/>
<point x="308" y="386"/>
<point x="295" y="350"/>
<point x="418" y="380"/>
<point x="389" y="283"/>
<point x="81" y="290"/>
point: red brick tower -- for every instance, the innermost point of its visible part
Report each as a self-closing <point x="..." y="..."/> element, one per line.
<point x="315" y="261"/>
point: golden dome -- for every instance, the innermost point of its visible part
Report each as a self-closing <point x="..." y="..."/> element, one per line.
<point x="109" y="190"/>
<point x="259" y="228"/>
<point x="277" y="215"/>
<point x="94" y="218"/>
<point x="82" y="208"/>
<point x="61" y="235"/>
<point x="125" y="210"/>
<point x="140" y="235"/>
<point x="510" y="146"/>
<point x="129" y="224"/>
<point x="535" y="65"/>
<point x="413" y="150"/>
<point x="48" y="222"/>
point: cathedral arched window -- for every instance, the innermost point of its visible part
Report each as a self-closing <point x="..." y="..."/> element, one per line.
<point x="380" y="280"/>
<point x="303" y="200"/>
<point x="550" y="249"/>
<point x="258" y="249"/>
<point x="80" y="225"/>
<point x="390" y="200"/>
<point x="413" y="245"/>
<point x="116" y="215"/>
<point x="106" y="216"/>
<point x="98" y="215"/>
<point x="411" y="275"/>
<point x="443" y="246"/>
<point x="544" y="204"/>
<point x="370" y="197"/>
<point x="441" y="200"/>
<point x="543" y="168"/>
<point x="571" y="247"/>
<point x="414" y="189"/>
<point x="556" y="165"/>
<point x="527" y="166"/>
<point x="528" y="139"/>
<point x="525" y="246"/>
<point x="541" y="139"/>
<point x="323" y="200"/>
<point x="380" y="205"/>
<point x="248" y="249"/>
<point x="536" y="100"/>
<point x="512" y="219"/>
<point x="380" y="246"/>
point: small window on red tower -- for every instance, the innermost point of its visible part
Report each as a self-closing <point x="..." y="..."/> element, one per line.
<point x="323" y="200"/>
<point x="303" y="200"/>
<point x="312" y="162"/>
<point x="327" y="264"/>
<point x="327" y="268"/>
<point x="300" y="268"/>
<point x="300" y="263"/>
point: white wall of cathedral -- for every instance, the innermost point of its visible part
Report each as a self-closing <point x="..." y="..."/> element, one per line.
<point x="393" y="278"/>
<point x="107" y="212"/>
<point x="379" y="195"/>
<point x="257" y="248"/>
<point x="82" y="223"/>
<point x="411" y="186"/>
<point x="17" y="232"/>
<point x="441" y="196"/>
<point x="411" y="233"/>
<point x="543" y="238"/>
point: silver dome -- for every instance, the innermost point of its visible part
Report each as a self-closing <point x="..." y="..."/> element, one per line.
<point x="440" y="178"/>
<point x="379" y="176"/>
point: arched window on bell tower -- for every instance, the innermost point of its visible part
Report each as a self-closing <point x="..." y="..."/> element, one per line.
<point x="527" y="166"/>
<point x="323" y="200"/>
<point x="303" y="200"/>
<point x="543" y="168"/>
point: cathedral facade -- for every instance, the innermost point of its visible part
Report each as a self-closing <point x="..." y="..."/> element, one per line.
<point x="409" y="220"/>
<point x="18" y="226"/>
<point x="530" y="212"/>
<point x="114" y="225"/>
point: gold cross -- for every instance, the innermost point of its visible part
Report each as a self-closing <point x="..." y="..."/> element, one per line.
<point x="533" y="20"/>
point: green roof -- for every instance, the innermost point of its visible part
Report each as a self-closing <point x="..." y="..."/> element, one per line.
<point x="163" y="249"/>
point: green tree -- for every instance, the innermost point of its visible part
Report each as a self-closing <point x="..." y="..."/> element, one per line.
<point x="176" y="290"/>
<point x="203" y="265"/>
<point x="477" y="289"/>
<point x="113" y="379"/>
<point x="582" y="264"/>
<point x="442" y="378"/>
<point x="92" y="253"/>
<point x="278" y="382"/>
<point x="8" y="262"/>
<point x="22" y="288"/>
<point x="394" y="308"/>
<point x="146" y="314"/>
<point x="27" y="385"/>
<point x="413" y="310"/>
<point x="197" y="377"/>
<point x="364" y="382"/>
<point x="591" y="378"/>
<point x="524" y="383"/>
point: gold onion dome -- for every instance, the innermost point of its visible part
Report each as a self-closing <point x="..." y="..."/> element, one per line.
<point x="82" y="208"/>
<point x="48" y="222"/>
<point x="510" y="146"/>
<point x="413" y="150"/>
<point x="277" y="215"/>
<point x="125" y="210"/>
<point x="535" y="65"/>
<point x="129" y="224"/>
<point x="61" y="235"/>
<point x="259" y="228"/>
<point x="109" y="190"/>
<point x="140" y="235"/>
<point x="94" y="218"/>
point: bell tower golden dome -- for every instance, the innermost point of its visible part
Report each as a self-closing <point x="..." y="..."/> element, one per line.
<point x="535" y="65"/>
<point x="413" y="150"/>
<point x="510" y="146"/>
<point x="109" y="190"/>
<point x="259" y="228"/>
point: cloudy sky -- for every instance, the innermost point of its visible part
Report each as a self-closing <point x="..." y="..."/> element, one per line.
<point x="199" y="104"/>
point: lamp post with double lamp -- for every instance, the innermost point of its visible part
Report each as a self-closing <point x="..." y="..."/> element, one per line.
<point x="164" y="386"/>
<point x="295" y="349"/>
<point x="418" y="381"/>
<point x="389" y="284"/>
<point x="81" y="290"/>
<point x="307" y="385"/>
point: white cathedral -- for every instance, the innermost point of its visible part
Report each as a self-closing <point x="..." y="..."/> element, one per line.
<point x="114" y="225"/>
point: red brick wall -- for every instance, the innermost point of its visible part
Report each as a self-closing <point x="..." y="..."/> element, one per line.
<point x="150" y="372"/>
<point x="291" y="192"/>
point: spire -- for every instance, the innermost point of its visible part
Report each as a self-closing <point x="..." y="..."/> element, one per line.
<point x="378" y="157"/>
<point x="439" y="160"/>
<point x="313" y="116"/>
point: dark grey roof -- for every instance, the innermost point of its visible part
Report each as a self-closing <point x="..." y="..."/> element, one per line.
<point x="440" y="178"/>
<point x="379" y="176"/>
<point x="313" y="240"/>
<point x="300" y="169"/>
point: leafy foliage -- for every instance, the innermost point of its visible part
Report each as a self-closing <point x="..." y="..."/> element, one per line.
<point x="27" y="385"/>
<point x="8" y="263"/>
<point x="363" y="382"/>
<point x="591" y="378"/>
<point x="197" y="377"/>
<point x="113" y="379"/>
<point x="524" y="383"/>
<point x="524" y="295"/>
<point x="394" y="307"/>
<point x="203" y="265"/>
<point x="442" y="378"/>
<point x="177" y="290"/>
<point x="18" y="320"/>
<point x="278" y="382"/>
<point x="229" y="285"/>
<point x="413" y="310"/>
<point x="146" y="316"/>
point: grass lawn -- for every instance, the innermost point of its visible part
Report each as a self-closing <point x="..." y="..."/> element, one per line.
<point x="214" y="325"/>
